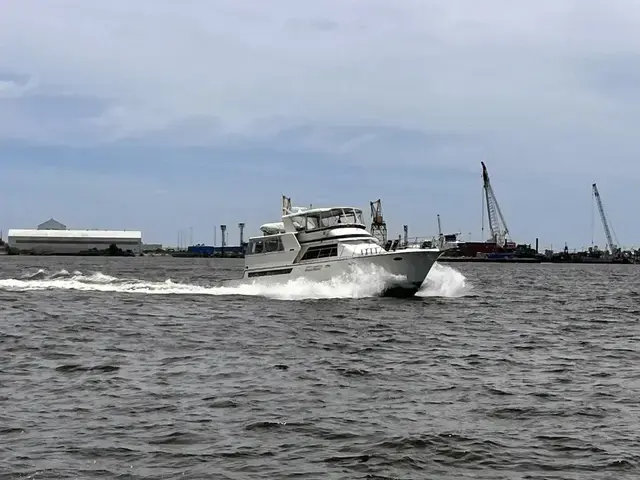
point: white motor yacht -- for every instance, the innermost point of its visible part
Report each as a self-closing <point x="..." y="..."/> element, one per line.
<point x="322" y="243"/>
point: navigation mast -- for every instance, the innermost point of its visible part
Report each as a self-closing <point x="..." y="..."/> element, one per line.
<point x="286" y="205"/>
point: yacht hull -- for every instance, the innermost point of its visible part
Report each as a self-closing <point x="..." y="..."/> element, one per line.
<point x="406" y="270"/>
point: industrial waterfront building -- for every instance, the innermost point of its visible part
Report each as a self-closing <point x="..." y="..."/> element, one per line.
<point x="53" y="237"/>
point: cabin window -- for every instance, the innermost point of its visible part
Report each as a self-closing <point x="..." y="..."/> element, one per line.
<point x="256" y="246"/>
<point x="299" y="222"/>
<point x="322" y="251"/>
<point x="313" y="222"/>
<point x="265" y="245"/>
<point x="273" y="245"/>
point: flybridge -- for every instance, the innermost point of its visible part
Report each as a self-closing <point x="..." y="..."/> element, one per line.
<point x="309" y="219"/>
<point x="324" y="218"/>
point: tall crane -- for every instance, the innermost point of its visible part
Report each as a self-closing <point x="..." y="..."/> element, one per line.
<point x="497" y="223"/>
<point x="378" y="225"/>
<point x="613" y="247"/>
<point x="440" y="235"/>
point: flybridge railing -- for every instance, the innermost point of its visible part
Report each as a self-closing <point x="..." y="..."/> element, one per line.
<point x="434" y="241"/>
<point x="399" y="244"/>
<point x="418" y="240"/>
<point x="367" y="251"/>
<point x="390" y="245"/>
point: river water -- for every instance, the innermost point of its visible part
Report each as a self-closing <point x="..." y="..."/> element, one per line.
<point x="143" y="368"/>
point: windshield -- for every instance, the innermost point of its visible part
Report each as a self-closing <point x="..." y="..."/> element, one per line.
<point x="341" y="216"/>
<point x="330" y="218"/>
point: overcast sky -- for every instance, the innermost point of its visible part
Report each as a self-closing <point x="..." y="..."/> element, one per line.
<point x="162" y="115"/>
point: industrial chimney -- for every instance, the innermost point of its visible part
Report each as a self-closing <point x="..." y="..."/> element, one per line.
<point x="223" y="229"/>
<point x="241" y="227"/>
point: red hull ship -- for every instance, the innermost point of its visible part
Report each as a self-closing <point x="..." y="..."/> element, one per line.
<point x="475" y="249"/>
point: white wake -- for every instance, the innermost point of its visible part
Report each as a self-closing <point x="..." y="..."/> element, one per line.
<point x="443" y="281"/>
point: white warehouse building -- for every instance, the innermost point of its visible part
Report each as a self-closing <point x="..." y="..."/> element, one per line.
<point x="53" y="237"/>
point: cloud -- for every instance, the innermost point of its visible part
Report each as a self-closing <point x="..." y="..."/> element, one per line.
<point x="436" y="66"/>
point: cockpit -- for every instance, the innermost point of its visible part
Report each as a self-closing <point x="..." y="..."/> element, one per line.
<point x="327" y="218"/>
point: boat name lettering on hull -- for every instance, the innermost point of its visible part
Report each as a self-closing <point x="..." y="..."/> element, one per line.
<point x="315" y="268"/>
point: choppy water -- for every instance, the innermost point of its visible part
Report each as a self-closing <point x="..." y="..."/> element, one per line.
<point x="142" y="368"/>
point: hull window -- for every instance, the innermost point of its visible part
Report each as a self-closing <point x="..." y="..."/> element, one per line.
<point x="322" y="251"/>
<point x="269" y="273"/>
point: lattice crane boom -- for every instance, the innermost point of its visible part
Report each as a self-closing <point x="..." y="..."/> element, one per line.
<point x="497" y="223"/>
<point x="378" y="225"/>
<point x="605" y="223"/>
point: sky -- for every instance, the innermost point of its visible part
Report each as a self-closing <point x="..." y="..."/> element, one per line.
<point x="167" y="116"/>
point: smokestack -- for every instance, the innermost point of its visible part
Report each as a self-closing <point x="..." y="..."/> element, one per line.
<point x="223" y="229"/>
<point x="536" y="244"/>
<point x="241" y="227"/>
<point x="406" y="235"/>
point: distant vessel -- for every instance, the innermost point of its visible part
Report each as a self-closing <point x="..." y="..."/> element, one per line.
<point x="323" y="243"/>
